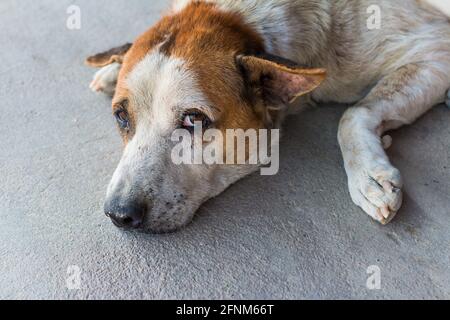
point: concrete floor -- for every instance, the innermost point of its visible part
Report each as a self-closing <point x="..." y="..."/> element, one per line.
<point x="295" y="235"/>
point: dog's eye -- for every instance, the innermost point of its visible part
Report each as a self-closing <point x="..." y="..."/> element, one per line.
<point x="122" y="119"/>
<point x="192" y="119"/>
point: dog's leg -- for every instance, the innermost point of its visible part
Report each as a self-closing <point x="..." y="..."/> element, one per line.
<point x="105" y="79"/>
<point x="399" y="99"/>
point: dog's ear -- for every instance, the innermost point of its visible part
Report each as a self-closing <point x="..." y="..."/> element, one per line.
<point x="281" y="80"/>
<point x="108" y="57"/>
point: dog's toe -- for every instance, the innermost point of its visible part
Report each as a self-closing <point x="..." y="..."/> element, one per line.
<point x="96" y="85"/>
<point x="105" y="79"/>
<point x="378" y="192"/>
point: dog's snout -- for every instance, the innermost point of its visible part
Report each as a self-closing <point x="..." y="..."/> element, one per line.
<point x="128" y="216"/>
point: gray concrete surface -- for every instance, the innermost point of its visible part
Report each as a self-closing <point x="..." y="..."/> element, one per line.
<point x="295" y="235"/>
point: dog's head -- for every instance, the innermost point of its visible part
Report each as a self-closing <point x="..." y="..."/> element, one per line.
<point x="199" y="66"/>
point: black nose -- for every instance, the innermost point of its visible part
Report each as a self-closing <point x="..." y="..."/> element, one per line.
<point x="128" y="216"/>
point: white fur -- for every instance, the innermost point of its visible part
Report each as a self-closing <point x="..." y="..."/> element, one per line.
<point x="163" y="85"/>
<point x="375" y="185"/>
<point x="410" y="72"/>
<point x="269" y="20"/>
<point x="161" y="89"/>
<point x="105" y="79"/>
<point x="394" y="75"/>
<point x="441" y="5"/>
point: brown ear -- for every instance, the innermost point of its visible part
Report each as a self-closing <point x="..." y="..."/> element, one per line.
<point x="281" y="79"/>
<point x="108" y="57"/>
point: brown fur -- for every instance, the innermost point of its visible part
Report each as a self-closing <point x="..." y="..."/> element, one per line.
<point x="209" y="40"/>
<point x="393" y="73"/>
<point x="108" y="57"/>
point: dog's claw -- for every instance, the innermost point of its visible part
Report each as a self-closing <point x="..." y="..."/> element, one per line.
<point x="387" y="186"/>
<point x="387" y="142"/>
<point x="95" y="86"/>
<point x="377" y="191"/>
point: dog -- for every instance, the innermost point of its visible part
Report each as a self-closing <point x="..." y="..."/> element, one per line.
<point x="241" y="64"/>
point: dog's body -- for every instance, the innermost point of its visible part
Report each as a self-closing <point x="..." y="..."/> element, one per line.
<point x="393" y="74"/>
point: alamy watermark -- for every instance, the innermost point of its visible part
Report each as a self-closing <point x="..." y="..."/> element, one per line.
<point x="74" y="19"/>
<point x="236" y="147"/>
<point x="374" y="20"/>
<point x="73" y="280"/>
<point x="374" y="280"/>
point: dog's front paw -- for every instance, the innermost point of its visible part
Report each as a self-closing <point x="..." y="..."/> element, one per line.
<point x="377" y="190"/>
<point x="105" y="79"/>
